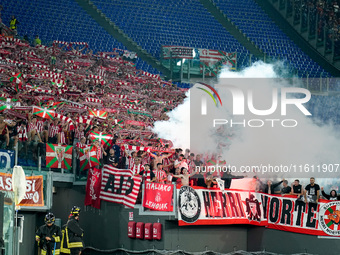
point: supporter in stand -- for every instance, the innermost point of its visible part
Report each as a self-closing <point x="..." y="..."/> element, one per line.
<point x="160" y="175"/>
<point x="187" y="153"/>
<point x="80" y="145"/>
<point x="191" y="163"/>
<point x="176" y="180"/>
<point x="146" y="173"/>
<point x="137" y="166"/>
<point x="198" y="161"/>
<point x="312" y="192"/>
<point x="4" y="134"/>
<point x="332" y="195"/>
<point x="269" y="188"/>
<point x="210" y="180"/>
<point x="116" y="148"/>
<point x="158" y="158"/>
<point x="198" y="178"/>
<point x="184" y="176"/>
<point x="286" y="190"/>
<point x="181" y="162"/>
<point x="228" y="177"/>
<point x="54" y="130"/>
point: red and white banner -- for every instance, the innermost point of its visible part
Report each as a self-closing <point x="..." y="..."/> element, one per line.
<point x="134" y="123"/>
<point x="214" y="207"/>
<point x="119" y="186"/>
<point x="93" y="187"/>
<point x="158" y="196"/>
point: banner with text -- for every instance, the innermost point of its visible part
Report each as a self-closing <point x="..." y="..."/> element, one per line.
<point x="158" y="196"/>
<point x="177" y="52"/>
<point x="119" y="186"/>
<point x="214" y="207"/>
<point x="34" y="189"/>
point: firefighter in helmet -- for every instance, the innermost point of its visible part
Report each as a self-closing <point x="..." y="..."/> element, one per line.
<point x="73" y="234"/>
<point x="48" y="236"/>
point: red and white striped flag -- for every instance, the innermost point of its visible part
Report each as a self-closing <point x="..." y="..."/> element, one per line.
<point x="67" y="119"/>
<point x="134" y="148"/>
<point x="119" y="186"/>
<point x="93" y="100"/>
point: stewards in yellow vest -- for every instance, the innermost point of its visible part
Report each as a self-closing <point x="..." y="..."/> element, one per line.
<point x="37" y="40"/>
<point x="72" y="239"/>
<point x="48" y="236"/>
<point x="13" y="24"/>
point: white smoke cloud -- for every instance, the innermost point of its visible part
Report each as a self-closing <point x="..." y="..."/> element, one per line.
<point x="177" y="128"/>
<point x="307" y="144"/>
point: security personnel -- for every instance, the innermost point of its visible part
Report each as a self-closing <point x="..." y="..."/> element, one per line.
<point x="13" y="24"/>
<point x="64" y="250"/>
<point x="74" y="233"/>
<point x="48" y="236"/>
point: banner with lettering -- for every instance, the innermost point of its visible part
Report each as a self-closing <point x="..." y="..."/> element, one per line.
<point x="119" y="186"/>
<point x="93" y="187"/>
<point x="158" y="196"/>
<point x="177" y="52"/>
<point x="34" y="189"/>
<point x="7" y="159"/>
<point x="214" y="207"/>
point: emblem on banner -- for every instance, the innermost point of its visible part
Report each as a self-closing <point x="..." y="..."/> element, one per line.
<point x="158" y="197"/>
<point x="189" y="204"/>
<point x="329" y="218"/>
<point x="253" y="208"/>
<point x="87" y="153"/>
<point x="59" y="151"/>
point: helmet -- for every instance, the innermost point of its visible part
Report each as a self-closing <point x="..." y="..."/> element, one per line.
<point x="49" y="218"/>
<point x="75" y="210"/>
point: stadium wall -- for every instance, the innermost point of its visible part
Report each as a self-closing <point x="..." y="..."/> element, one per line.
<point x="106" y="229"/>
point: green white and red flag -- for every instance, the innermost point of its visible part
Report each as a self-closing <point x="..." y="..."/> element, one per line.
<point x="88" y="157"/>
<point x="58" y="156"/>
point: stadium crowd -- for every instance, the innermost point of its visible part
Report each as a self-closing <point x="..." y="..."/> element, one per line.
<point x="62" y="93"/>
<point x="321" y="17"/>
<point x="67" y="95"/>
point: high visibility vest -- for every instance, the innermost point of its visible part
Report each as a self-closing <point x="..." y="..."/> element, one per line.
<point x="13" y="24"/>
<point x="63" y="246"/>
<point x="66" y="244"/>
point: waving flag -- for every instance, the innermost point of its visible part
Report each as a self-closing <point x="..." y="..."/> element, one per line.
<point x="17" y="81"/>
<point x="5" y="99"/>
<point x="98" y="114"/>
<point x="105" y="139"/>
<point x="44" y="113"/>
<point x="5" y="106"/>
<point x="58" y="156"/>
<point x="119" y="186"/>
<point x="88" y="157"/>
<point x="134" y="101"/>
<point x="58" y="82"/>
<point x="54" y="105"/>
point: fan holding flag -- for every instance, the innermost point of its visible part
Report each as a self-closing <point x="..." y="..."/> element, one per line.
<point x="16" y="81"/>
<point x="4" y="134"/>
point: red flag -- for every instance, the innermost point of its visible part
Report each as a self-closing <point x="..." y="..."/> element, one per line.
<point x="94" y="179"/>
<point x="158" y="196"/>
